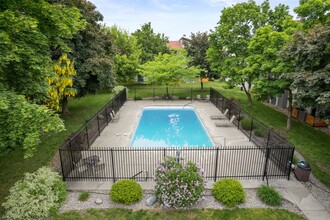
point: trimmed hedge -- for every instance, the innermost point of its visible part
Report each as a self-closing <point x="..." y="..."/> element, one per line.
<point x="229" y="191"/>
<point x="126" y="192"/>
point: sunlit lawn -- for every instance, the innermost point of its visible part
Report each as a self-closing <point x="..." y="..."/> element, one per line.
<point x="237" y="214"/>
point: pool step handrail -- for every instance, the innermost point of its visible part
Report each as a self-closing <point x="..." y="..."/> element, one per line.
<point x="135" y="175"/>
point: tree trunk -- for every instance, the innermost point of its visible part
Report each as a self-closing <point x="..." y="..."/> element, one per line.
<point x="289" y="120"/>
<point x="247" y="93"/>
<point x="201" y="77"/>
<point x="65" y="107"/>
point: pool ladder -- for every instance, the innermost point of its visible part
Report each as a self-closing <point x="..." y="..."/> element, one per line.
<point x="135" y="175"/>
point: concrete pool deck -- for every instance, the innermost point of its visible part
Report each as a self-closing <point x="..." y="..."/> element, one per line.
<point x="119" y="132"/>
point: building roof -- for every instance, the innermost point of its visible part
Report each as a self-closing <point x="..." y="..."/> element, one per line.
<point x="174" y="44"/>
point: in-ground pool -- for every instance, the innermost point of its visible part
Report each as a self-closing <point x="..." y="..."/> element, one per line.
<point x="170" y="127"/>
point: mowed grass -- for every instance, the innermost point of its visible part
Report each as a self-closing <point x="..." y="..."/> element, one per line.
<point x="311" y="143"/>
<point x="13" y="166"/>
<point x="228" y="214"/>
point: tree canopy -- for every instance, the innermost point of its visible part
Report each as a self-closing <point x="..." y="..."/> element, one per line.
<point x="150" y="43"/>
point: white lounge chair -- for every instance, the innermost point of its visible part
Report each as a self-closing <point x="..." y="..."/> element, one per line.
<point x="217" y="117"/>
<point x="114" y="116"/>
<point x="225" y="124"/>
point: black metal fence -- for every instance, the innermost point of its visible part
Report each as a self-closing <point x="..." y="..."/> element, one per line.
<point x="248" y="162"/>
<point x="168" y="93"/>
<point x="255" y="130"/>
<point x="71" y="150"/>
<point x="271" y="158"/>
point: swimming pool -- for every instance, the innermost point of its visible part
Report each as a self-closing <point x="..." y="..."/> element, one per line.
<point x="170" y="127"/>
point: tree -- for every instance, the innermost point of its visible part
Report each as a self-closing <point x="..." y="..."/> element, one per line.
<point x="196" y="49"/>
<point x="313" y="12"/>
<point x="228" y="43"/>
<point x="127" y="54"/>
<point x="169" y="69"/>
<point x="150" y="43"/>
<point x="310" y="53"/>
<point x="22" y="123"/>
<point x="61" y="84"/>
<point x="92" y="51"/>
<point x="29" y="31"/>
<point x="264" y="59"/>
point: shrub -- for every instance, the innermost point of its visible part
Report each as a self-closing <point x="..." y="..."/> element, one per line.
<point x="84" y="196"/>
<point x="246" y="124"/>
<point x="126" y="192"/>
<point x="178" y="184"/>
<point x="36" y="196"/>
<point x="269" y="195"/>
<point x="138" y="98"/>
<point x="229" y="191"/>
<point x="260" y="132"/>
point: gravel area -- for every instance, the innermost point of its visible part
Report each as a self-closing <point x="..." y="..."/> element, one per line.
<point x="207" y="201"/>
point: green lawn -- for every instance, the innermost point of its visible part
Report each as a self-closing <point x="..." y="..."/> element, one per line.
<point x="311" y="143"/>
<point x="237" y="214"/>
<point x="13" y="166"/>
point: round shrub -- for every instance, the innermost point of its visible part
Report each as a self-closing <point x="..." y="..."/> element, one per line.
<point x="260" y="132"/>
<point x="269" y="195"/>
<point x="126" y="192"/>
<point x="246" y="124"/>
<point x="178" y="184"/>
<point x="36" y="196"/>
<point x="229" y="191"/>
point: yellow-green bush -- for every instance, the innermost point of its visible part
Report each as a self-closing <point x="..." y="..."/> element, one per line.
<point x="229" y="191"/>
<point x="126" y="192"/>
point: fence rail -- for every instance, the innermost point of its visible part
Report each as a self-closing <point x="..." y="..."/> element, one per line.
<point x="87" y="134"/>
<point x="271" y="158"/>
<point x="247" y="162"/>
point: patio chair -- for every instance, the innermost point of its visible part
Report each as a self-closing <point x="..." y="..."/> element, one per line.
<point x="225" y="124"/>
<point x="114" y="116"/>
<point x="198" y="97"/>
<point x="207" y="98"/>
<point x="217" y="117"/>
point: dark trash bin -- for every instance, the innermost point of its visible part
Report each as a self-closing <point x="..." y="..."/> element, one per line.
<point x="303" y="171"/>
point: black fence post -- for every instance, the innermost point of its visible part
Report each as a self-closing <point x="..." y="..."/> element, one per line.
<point x="191" y="94"/>
<point x="164" y="152"/>
<point x="290" y="164"/>
<point x="113" y="166"/>
<point x="63" y="176"/>
<point x="266" y="165"/>
<point x="251" y="126"/>
<point x="216" y="165"/>
<point x="268" y="137"/>
<point x="98" y="124"/>
<point x="229" y="112"/>
<point x="106" y="115"/>
<point x="217" y="102"/>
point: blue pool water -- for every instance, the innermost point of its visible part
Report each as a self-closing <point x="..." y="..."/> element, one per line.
<point x="170" y="127"/>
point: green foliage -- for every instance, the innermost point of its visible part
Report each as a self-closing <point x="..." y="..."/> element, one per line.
<point x="313" y="12"/>
<point x="169" y="69"/>
<point x="22" y="123"/>
<point x="246" y="124"/>
<point x="39" y="27"/>
<point x="150" y="43"/>
<point x="126" y="192"/>
<point x="35" y="196"/>
<point x="229" y="191"/>
<point x="128" y="54"/>
<point x="269" y="195"/>
<point x="311" y="57"/>
<point x="83" y="196"/>
<point x="259" y="132"/>
<point x="177" y="184"/>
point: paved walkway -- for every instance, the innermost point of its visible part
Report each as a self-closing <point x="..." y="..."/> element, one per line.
<point x="292" y="191"/>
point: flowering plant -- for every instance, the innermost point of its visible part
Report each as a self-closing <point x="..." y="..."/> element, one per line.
<point x="36" y="196"/>
<point x="178" y="184"/>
